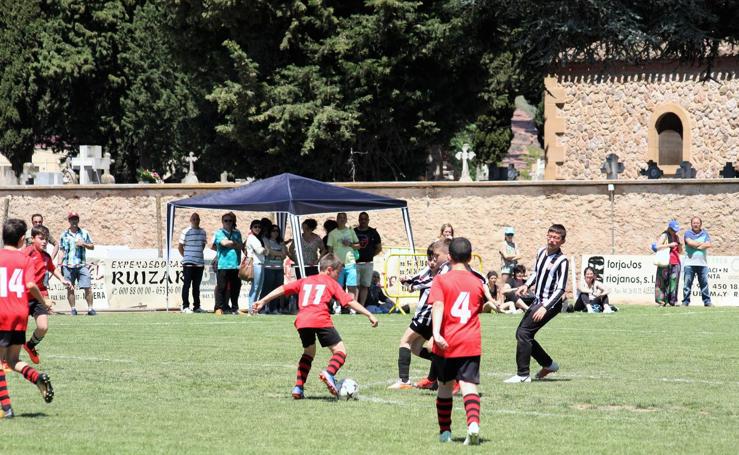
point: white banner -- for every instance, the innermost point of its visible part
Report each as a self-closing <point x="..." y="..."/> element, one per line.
<point x="630" y="279"/>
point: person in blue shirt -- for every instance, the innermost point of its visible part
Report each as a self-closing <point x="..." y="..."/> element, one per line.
<point x="697" y="242"/>
<point x="228" y="245"/>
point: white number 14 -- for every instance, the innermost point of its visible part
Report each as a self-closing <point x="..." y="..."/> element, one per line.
<point x="461" y="308"/>
<point x="15" y="284"/>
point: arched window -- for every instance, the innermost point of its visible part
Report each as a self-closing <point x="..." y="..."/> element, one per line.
<point x="670" y="131"/>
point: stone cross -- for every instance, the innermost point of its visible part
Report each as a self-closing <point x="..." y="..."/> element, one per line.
<point x="191" y="177"/>
<point x="465" y="155"/>
<point x="652" y="171"/>
<point x="612" y="167"/>
<point x="685" y="171"/>
<point x="107" y="177"/>
<point x="87" y="162"/>
<point x="729" y="172"/>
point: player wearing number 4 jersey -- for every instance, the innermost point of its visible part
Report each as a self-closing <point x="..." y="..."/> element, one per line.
<point x="314" y="321"/>
<point x="16" y="283"/>
<point x="458" y="298"/>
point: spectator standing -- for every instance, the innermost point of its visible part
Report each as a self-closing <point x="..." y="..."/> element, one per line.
<point x="667" y="281"/>
<point x="228" y="245"/>
<point x="508" y="251"/>
<point x="328" y="226"/>
<point x="255" y="250"/>
<point x="697" y="243"/>
<point x="446" y="232"/>
<point x="370" y="245"/>
<point x="38" y="220"/>
<point x="549" y="278"/>
<point x="74" y="244"/>
<point x="274" y="274"/>
<point x="313" y="248"/>
<point x="344" y="243"/>
<point x="191" y="245"/>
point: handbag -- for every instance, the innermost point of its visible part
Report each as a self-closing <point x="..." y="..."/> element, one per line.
<point x="246" y="269"/>
<point x="662" y="257"/>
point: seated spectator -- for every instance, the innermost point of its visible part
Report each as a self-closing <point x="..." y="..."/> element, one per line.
<point x="511" y="302"/>
<point x="593" y="296"/>
<point x="377" y="301"/>
<point x="495" y="286"/>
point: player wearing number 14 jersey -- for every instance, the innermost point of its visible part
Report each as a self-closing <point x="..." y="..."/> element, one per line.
<point x="314" y="320"/>
<point x="458" y="298"/>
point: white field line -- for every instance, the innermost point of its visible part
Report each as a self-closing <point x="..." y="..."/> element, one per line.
<point x="89" y="358"/>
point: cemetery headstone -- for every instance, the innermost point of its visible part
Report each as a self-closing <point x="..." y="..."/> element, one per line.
<point x="465" y="155"/>
<point x="191" y="177"/>
<point x="612" y="167"/>
<point x="652" y="171"/>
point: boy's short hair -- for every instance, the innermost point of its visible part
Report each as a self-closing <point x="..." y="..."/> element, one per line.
<point x="519" y="269"/>
<point x="558" y="229"/>
<point x="430" y="250"/>
<point x="40" y="230"/>
<point x="460" y="250"/>
<point x="442" y="245"/>
<point x="329" y="260"/>
<point x="13" y="230"/>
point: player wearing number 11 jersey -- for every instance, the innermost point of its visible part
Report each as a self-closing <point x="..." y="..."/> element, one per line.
<point x="458" y="298"/>
<point x="314" y="320"/>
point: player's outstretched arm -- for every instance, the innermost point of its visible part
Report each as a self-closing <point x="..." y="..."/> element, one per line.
<point x="276" y="293"/>
<point x="356" y="306"/>
<point x="61" y="278"/>
<point x="437" y="315"/>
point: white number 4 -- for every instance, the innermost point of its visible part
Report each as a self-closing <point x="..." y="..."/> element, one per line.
<point x="461" y="308"/>
<point x="15" y="284"/>
<point x="307" y="291"/>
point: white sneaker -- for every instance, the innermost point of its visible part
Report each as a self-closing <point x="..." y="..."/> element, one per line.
<point x="400" y="385"/>
<point x="473" y="435"/>
<point x="553" y="368"/>
<point x="186" y="310"/>
<point x="515" y="379"/>
<point x="608" y="310"/>
<point x="445" y="436"/>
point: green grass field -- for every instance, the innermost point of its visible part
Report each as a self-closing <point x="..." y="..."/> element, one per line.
<point x="644" y="380"/>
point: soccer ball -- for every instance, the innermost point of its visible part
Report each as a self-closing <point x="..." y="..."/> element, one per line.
<point x="348" y="389"/>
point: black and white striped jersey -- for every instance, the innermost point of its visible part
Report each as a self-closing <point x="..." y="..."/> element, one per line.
<point x="550" y="275"/>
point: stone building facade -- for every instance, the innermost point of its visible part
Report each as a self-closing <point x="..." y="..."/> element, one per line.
<point x="666" y="112"/>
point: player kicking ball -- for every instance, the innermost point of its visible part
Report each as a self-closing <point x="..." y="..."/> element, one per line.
<point x="458" y="298"/>
<point x="314" y="320"/>
<point x="16" y="283"/>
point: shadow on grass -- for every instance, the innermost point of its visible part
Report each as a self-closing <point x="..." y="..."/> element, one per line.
<point x="321" y="398"/>
<point x="544" y="381"/>
<point x="461" y="439"/>
<point x="32" y="415"/>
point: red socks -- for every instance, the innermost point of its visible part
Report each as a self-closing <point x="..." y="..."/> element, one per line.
<point x="303" y="369"/>
<point x="444" y="413"/>
<point x="336" y="362"/>
<point x="472" y="408"/>
<point x="4" y="395"/>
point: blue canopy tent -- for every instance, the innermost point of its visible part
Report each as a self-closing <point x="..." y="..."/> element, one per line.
<point x="289" y="196"/>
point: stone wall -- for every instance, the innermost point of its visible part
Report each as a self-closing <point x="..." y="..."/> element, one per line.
<point x="593" y="111"/>
<point x="135" y="215"/>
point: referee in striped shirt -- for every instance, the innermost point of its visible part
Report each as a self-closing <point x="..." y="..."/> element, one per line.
<point x="549" y="278"/>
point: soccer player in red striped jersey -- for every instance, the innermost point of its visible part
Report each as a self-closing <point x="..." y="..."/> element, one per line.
<point x="16" y="283"/>
<point x="458" y="298"/>
<point x="42" y="264"/>
<point x="314" y="320"/>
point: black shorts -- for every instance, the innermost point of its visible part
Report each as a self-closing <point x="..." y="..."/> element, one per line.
<point x="327" y="336"/>
<point x="11" y="337"/>
<point x="424" y="330"/>
<point x="36" y="309"/>
<point x="465" y="369"/>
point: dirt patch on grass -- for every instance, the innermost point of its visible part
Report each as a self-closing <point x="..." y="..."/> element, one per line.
<point x="612" y="407"/>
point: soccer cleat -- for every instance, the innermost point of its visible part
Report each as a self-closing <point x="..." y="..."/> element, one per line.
<point x="455" y="390"/>
<point x="473" y="435"/>
<point x="7" y="414"/>
<point x="553" y="368"/>
<point x="445" y="436"/>
<point x="298" y="393"/>
<point x="44" y="385"/>
<point x="186" y="310"/>
<point x="330" y="382"/>
<point x="73" y="312"/>
<point x="427" y="384"/>
<point x="400" y="385"/>
<point x="515" y="379"/>
<point x="32" y="353"/>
